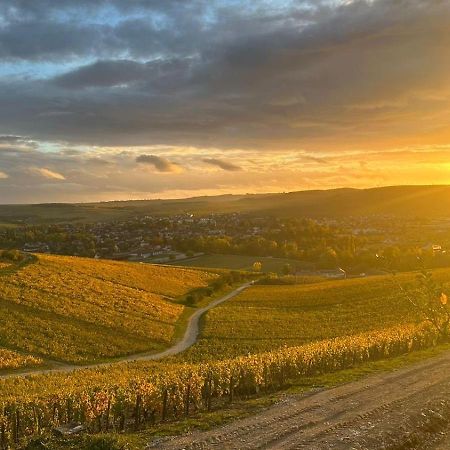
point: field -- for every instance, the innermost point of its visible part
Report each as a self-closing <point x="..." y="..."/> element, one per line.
<point x="80" y="310"/>
<point x="238" y="262"/>
<point x="263" y="340"/>
<point x="265" y="318"/>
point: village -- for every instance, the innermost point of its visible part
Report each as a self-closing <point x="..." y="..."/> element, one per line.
<point x="324" y="244"/>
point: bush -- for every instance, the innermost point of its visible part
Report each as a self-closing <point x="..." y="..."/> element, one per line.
<point x="191" y="300"/>
<point x="102" y="443"/>
<point x="11" y="255"/>
<point x="218" y="284"/>
<point x="289" y="280"/>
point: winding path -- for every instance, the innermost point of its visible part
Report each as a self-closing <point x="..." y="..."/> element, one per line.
<point x="189" y="339"/>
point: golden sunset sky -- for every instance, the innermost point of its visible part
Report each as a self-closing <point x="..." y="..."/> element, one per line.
<point x="172" y="98"/>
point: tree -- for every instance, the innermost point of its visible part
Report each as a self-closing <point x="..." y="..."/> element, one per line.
<point x="328" y="259"/>
<point x="257" y="266"/>
<point x="11" y="255"/>
<point x="287" y="269"/>
<point x="191" y="299"/>
<point x="431" y="302"/>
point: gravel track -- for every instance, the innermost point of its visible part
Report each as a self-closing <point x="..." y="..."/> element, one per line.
<point x="372" y="413"/>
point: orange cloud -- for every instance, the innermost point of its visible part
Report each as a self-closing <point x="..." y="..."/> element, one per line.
<point x="47" y="173"/>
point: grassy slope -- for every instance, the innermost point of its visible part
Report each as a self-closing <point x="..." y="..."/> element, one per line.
<point x="238" y="262"/>
<point x="267" y="317"/>
<point x="79" y="310"/>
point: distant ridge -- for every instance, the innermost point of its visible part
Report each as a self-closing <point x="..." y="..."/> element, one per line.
<point x="401" y="201"/>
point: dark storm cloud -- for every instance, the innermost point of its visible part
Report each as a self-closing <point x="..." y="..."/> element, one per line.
<point x="102" y="73"/>
<point x="160" y="164"/>
<point x="156" y="74"/>
<point x="225" y="165"/>
<point x="42" y="40"/>
<point x="227" y="74"/>
<point x="42" y="29"/>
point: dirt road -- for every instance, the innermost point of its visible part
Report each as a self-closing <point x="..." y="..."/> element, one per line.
<point x="189" y="338"/>
<point x="378" y="412"/>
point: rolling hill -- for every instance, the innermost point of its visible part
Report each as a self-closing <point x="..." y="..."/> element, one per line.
<point x="265" y="318"/>
<point x="402" y="201"/>
<point x="81" y="310"/>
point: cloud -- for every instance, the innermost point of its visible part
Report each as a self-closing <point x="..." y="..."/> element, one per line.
<point x="313" y="159"/>
<point x="297" y="89"/>
<point x="68" y="30"/>
<point x="95" y="161"/>
<point x="47" y="173"/>
<point x="160" y="164"/>
<point x="88" y="178"/>
<point x="102" y="74"/>
<point x="225" y="165"/>
<point x="10" y="139"/>
<point x="330" y="75"/>
<point x="18" y="142"/>
<point x="3" y="175"/>
<point x="160" y="74"/>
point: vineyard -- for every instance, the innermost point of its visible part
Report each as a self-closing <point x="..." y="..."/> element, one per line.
<point x="13" y="360"/>
<point x="265" y="318"/>
<point x="81" y="310"/>
<point x="124" y="398"/>
<point x="260" y="341"/>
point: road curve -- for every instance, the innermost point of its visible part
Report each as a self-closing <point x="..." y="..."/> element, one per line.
<point x="373" y="413"/>
<point x="189" y="339"/>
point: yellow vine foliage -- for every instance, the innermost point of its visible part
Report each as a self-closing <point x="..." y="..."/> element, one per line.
<point x="264" y="318"/>
<point x="126" y="395"/>
<point x="14" y="360"/>
<point x="81" y="310"/>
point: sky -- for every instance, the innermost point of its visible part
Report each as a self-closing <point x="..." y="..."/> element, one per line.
<point x="107" y="99"/>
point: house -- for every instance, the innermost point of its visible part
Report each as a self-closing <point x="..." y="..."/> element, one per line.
<point x="36" y="247"/>
<point x="336" y="274"/>
<point x="435" y="248"/>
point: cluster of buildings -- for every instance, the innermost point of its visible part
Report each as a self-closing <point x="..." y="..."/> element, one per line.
<point x="326" y="243"/>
